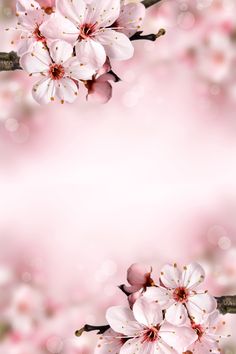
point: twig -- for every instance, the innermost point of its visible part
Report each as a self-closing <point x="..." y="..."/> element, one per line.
<point x="148" y="3"/>
<point x="227" y="304"/>
<point x="9" y="61"/>
<point x="149" y="37"/>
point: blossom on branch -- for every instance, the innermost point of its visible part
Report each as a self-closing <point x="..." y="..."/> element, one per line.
<point x="170" y="317"/>
<point x="94" y="33"/>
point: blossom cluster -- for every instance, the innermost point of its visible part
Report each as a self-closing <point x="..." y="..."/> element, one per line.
<point x="71" y="42"/>
<point x="172" y="316"/>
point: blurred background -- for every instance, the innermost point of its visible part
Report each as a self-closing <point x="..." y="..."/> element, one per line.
<point x="87" y="189"/>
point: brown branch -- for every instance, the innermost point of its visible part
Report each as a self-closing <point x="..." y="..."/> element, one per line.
<point x="148" y="3"/>
<point x="9" y="61"/>
<point x="226" y="304"/>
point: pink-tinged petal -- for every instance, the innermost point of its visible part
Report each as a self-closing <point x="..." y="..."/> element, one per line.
<point x="100" y="92"/>
<point x="199" y="305"/>
<point x="103" y="12"/>
<point x="213" y="320"/>
<point x="163" y="348"/>
<point x="170" y="276"/>
<point x="176" y="314"/>
<point x="37" y="61"/>
<point x="92" y="52"/>
<point x="146" y="312"/>
<point x="74" y="10"/>
<point x="26" y="5"/>
<point x="79" y="71"/>
<point x="110" y="342"/>
<point x="44" y="91"/>
<point x="66" y="90"/>
<point x="138" y="274"/>
<point x="31" y="19"/>
<point x="24" y="45"/>
<point x="117" y="45"/>
<point x="58" y="27"/>
<point x="60" y="51"/>
<point x="193" y="275"/>
<point x="136" y="346"/>
<point x="131" y="18"/>
<point x="206" y="345"/>
<point x="180" y="338"/>
<point x="132" y="298"/>
<point x="121" y="320"/>
<point x="161" y="295"/>
<point x="47" y="3"/>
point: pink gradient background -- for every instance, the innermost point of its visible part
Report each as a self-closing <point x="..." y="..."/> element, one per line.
<point x="87" y="189"/>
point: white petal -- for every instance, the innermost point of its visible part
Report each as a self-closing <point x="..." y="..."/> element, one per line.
<point x="121" y="320"/>
<point x="171" y="276"/>
<point x="66" y="90"/>
<point x="161" y="295"/>
<point x="199" y="305"/>
<point x="36" y="61"/>
<point x="74" y="10"/>
<point x="44" y="91"/>
<point x="31" y="19"/>
<point x="146" y="312"/>
<point x="163" y="348"/>
<point x="58" y="27"/>
<point x="137" y="346"/>
<point x="117" y="45"/>
<point x="60" y="51"/>
<point x="177" y="314"/>
<point x="103" y="12"/>
<point x="109" y="342"/>
<point x="26" y="5"/>
<point x="92" y="52"/>
<point x="79" y="71"/>
<point x="180" y="338"/>
<point x="193" y="275"/>
<point x="131" y="18"/>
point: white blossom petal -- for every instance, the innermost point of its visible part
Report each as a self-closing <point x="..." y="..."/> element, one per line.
<point x="58" y="27"/>
<point x="44" y="91"/>
<point x="60" y="51"/>
<point x="36" y="61"/>
<point x="79" y="71"/>
<point x="193" y="275"/>
<point x="161" y="295"/>
<point x="74" y="10"/>
<point x="103" y="12"/>
<point x="131" y="18"/>
<point x="171" y="276"/>
<point x="66" y="90"/>
<point x="177" y="314"/>
<point x="147" y="312"/>
<point x="199" y="305"/>
<point x="90" y="51"/>
<point x="117" y="45"/>
<point x="121" y="320"/>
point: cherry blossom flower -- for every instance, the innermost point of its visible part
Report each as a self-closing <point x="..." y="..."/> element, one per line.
<point x="60" y="71"/>
<point x="145" y="330"/>
<point x="179" y="295"/>
<point x="208" y="340"/>
<point x="30" y="17"/>
<point x="88" y="25"/>
<point x="131" y="18"/>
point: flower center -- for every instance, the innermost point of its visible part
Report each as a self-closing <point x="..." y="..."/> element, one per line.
<point x="198" y="329"/>
<point x="87" y="30"/>
<point x="151" y="334"/>
<point x="48" y="10"/>
<point x="38" y="35"/>
<point x="181" y="295"/>
<point x="56" y="72"/>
